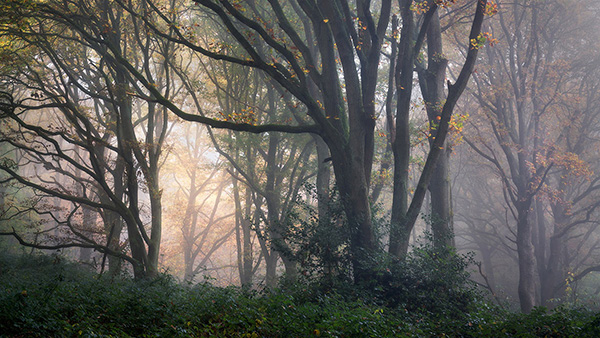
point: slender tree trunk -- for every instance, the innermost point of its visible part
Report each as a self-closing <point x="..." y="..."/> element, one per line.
<point x="2" y="197"/>
<point x="488" y="266"/>
<point x="89" y="220"/>
<point x="155" y="234"/>
<point x="155" y="195"/>
<point x="243" y="236"/>
<point x="187" y="231"/>
<point x="248" y="270"/>
<point x="323" y="177"/>
<point x="387" y="161"/>
<point x="273" y="199"/>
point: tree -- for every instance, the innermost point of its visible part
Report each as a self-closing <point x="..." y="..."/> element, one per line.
<point x="323" y="54"/>
<point x="521" y="93"/>
<point x="272" y="168"/>
<point x="284" y="162"/>
<point x="199" y="214"/>
<point x="88" y="133"/>
<point x="335" y="82"/>
<point x="571" y="191"/>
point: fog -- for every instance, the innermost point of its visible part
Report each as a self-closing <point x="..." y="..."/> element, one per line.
<point x="239" y="145"/>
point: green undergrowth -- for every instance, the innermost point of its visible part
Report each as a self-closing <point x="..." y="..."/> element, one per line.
<point x="41" y="296"/>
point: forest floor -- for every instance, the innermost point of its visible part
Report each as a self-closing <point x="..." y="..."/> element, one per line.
<point x="42" y="296"/>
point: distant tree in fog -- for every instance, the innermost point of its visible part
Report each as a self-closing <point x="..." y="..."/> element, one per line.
<point x="536" y="119"/>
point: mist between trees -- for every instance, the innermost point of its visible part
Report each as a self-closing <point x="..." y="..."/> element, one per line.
<point x="262" y="141"/>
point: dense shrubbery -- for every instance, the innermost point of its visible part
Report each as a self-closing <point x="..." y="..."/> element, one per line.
<point x="41" y="296"/>
<point x="320" y="245"/>
<point x="430" y="280"/>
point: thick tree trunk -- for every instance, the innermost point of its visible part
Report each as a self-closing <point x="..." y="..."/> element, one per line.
<point x="399" y="234"/>
<point x="291" y="269"/>
<point x="432" y="81"/>
<point x="247" y="257"/>
<point x="354" y="192"/>
<point x="271" y="259"/>
<point x="138" y="250"/>
<point x="113" y="227"/>
<point x="441" y="208"/>
<point x="526" y="289"/>
<point x="554" y="273"/>
<point x="188" y="263"/>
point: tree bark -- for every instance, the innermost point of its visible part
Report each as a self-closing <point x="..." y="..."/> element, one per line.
<point x="526" y="288"/>
<point x="431" y="81"/>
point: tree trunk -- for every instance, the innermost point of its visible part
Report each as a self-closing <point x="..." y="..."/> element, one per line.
<point x="441" y="208"/>
<point x="554" y="273"/>
<point x="354" y="192"/>
<point x="89" y="220"/>
<point x="526" y="289"/>
<point x="488" y="266"/>
<point x="271" y="259"/>
<point x="243" y="236"/>
<point x="155" y="232"/>
<point x="431" y="81"/>
<point x="399" y="234"/>
<point x="113" y="227"/>
<point x="323" y="178"/>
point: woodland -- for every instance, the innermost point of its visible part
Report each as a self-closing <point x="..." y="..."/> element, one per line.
<point x="270" y="168"/>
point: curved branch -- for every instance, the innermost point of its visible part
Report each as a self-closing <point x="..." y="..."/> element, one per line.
<point x="98" y="247"/>
<point x="454" y="92"/>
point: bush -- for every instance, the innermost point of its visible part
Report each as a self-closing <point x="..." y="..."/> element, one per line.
<point x="319" y="243"/>
<point x="428" y="281"/>
<point x="561" y="322"/>
<point x="41" y="296"/>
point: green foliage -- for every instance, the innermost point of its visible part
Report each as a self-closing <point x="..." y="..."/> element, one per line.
<point x="41" y="296"/>
<point x="44" y="296"/>
<point x="428" y="280"/>
<point x="540" y="322"/>
<point x="320" y="242"/>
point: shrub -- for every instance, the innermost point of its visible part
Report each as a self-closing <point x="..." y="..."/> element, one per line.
<point x="44" y="297"/>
